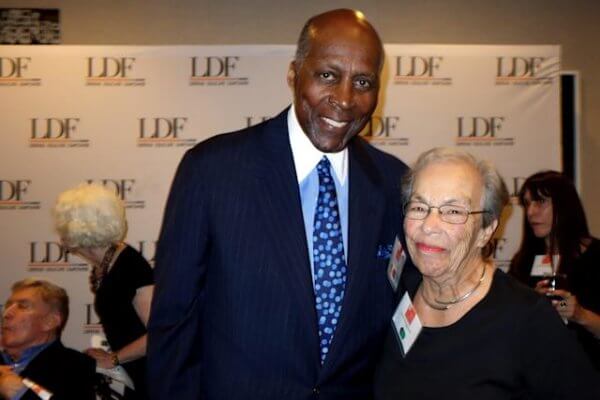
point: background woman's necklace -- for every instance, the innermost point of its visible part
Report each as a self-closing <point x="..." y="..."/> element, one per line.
<point x="98" y="273"/>
<point x="444" y="305"/>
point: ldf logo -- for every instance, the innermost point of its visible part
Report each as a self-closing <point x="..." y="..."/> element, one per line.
<point x="90" y="315"/>
<point x="517" y="183"/>
<point x="121" y="186"/>
<point x="13" y="67"/>
<point x="417" y="66"/>
<point x="13" y="190"/>
<point x="148" y="249"/>
<point x="213" y="66"/>
<point x="53" y="128"/>
<point x="47" y="253"/>
<point x="479" y="126"/>
<point x="109" y="67"/>
<point x="155" y="128"/>
<point x="255" y="120"/>
<point x="518" y="67"/>
<point x="380" y="127"/>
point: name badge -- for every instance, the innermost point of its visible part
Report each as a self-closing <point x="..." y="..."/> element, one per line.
<point x="542" y="265"/>
<point x="406" y="324"/>
<point x="396" y="265"/>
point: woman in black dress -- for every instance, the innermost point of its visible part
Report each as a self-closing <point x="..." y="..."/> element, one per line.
<point x="555" y="225"/>
<point x="90" y="220"/>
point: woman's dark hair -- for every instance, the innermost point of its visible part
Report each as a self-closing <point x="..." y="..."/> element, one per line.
<point x="569" y="225"/>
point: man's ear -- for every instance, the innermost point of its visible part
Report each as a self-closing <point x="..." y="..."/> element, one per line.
<point x="52" y="321"/>
<point x="485" y="234"/>
<point x="291" y="75"/>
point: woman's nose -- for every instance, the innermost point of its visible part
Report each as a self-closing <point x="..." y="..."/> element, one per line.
<point x="432" y="221"/>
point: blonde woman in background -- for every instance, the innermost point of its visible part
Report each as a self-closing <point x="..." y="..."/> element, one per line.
<point x="90" y="221"/>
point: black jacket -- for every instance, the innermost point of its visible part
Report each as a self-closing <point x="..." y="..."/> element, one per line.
<point x="67" y="373"/>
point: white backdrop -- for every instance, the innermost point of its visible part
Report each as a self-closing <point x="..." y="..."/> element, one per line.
<point x="123" y="116"/>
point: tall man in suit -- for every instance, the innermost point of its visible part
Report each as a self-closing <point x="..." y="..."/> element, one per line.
<point x="34" y="363"/>
<point x="271" y="264"/>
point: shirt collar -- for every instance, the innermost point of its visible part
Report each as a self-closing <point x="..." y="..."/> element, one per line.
<point x="307" y="156"/>
<point x="28" y="355"/>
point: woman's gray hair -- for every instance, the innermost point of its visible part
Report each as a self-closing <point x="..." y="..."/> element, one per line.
<point x="89" y="215"/>
<point x="495" y="194"/>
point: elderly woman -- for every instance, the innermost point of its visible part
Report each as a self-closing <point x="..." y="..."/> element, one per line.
<point x="483" y="334"/>
<point x="91" y="223"/>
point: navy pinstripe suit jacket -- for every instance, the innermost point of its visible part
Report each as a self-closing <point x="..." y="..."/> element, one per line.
<point x="233" y="312"/>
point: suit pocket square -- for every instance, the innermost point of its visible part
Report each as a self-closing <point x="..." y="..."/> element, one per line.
<point x="384" y="251"/>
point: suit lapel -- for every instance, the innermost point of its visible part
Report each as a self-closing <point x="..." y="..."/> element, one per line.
<point x="282" y="212"/>
<point x="39" y="365"/>
<point x="365" y="212"/>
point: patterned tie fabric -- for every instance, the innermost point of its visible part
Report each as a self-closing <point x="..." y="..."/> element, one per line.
<point x="328" y="258"/>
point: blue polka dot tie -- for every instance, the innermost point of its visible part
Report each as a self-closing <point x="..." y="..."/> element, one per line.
<point x="328" y="258"/>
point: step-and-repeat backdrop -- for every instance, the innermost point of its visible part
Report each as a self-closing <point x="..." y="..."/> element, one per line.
<point x="123" y="116"/>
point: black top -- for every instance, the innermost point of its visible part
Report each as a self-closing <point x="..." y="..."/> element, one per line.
<point x="114" y="306"/>
<point x="584" y="282"/>
<point x="67" y="373"/>
<point x="511" y="345"/>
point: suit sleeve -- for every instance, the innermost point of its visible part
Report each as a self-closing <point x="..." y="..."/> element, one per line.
<point x="173" y="330"/>
<point x="69" y="376"/>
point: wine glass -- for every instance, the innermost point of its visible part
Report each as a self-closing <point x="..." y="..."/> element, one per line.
<point x="556" y="281"/>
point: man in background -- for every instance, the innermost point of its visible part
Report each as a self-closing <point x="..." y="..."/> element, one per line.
<point x="271" y="264"/>
<point x="34" y="363"/>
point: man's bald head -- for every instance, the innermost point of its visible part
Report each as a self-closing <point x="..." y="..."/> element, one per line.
<point x="335" y="78"/>
<point x="335" y="20"/>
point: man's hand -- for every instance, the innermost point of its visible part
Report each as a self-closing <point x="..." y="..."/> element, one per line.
<point x="10" y="383"/>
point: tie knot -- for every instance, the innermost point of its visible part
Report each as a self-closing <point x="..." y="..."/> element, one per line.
<point x="323" y="167"/>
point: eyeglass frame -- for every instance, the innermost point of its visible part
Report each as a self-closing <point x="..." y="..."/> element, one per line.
<point x="441" y="214"/>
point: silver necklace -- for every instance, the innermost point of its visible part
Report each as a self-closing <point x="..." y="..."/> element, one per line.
<point x="444" y="305"/>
